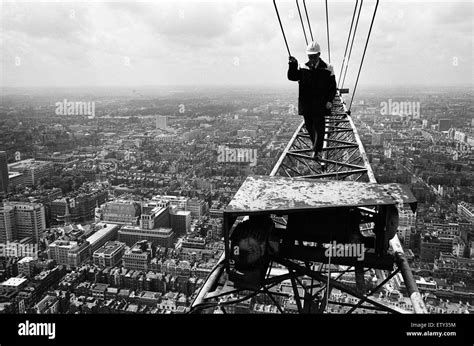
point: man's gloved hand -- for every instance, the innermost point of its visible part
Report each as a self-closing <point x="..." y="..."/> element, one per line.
<point x="293" y="61"/>
<point x="328" y="105"/>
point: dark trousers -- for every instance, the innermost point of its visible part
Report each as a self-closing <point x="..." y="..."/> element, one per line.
<point x="315" y="125"/>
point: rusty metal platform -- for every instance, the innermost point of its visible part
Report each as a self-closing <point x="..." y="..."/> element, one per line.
<point x="264" y="193"/>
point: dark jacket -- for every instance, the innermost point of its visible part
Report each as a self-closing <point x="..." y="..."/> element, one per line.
<point x="317" y="86"/>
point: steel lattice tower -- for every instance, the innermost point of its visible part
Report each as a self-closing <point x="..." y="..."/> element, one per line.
<point x="344" y="159"/>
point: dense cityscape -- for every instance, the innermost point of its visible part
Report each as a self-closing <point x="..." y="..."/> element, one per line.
<point x="113" y="200"/>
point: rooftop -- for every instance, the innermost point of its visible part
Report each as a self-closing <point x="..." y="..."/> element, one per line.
<point x="14" y="282"/>
<point x="160" y="231"/>
<point x="26" y="260"/>
<point x="109" y="247"/>
<point x="28" y="163"/>
<point x="167" y="197"/>
<point x="64" y="243"/>
<point x="105" y="229"/>
<point x="182" y="212"/>
<point x="12" y="175"/>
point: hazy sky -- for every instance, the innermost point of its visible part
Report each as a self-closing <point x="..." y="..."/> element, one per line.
<point x="132" y="43"/>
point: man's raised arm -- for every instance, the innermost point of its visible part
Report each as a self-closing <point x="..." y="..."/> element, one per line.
<point x="293" y="70"/>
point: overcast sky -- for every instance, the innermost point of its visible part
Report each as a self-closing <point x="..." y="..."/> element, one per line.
<point x="131" y="43"/>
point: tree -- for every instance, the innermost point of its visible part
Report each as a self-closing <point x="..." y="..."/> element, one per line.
<point x="18" y="188"/>
<point x="78" y="181"/>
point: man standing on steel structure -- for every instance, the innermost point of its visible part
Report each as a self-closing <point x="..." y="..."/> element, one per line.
<point x="317" y="88"/>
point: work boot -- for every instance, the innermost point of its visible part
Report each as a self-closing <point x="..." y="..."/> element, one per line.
<point x="317" y="155"/>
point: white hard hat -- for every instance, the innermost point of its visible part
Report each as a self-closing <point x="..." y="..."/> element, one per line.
<point x="313" y="48"/>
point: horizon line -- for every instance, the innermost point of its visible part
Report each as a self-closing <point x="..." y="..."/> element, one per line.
<point x="271" y="85"/>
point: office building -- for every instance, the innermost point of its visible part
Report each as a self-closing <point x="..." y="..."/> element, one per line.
<point x="104" y="233"/>
<point x="13" y="285"/>
<point x="48" y="305"/>
<point x="32" y="170"/>
<point x="15" y="179"/>
<point x="138" y="257"/>
<point x="59" y="159"/>
<point x="26" y="266"/>
<point x="7" y="224"/>
<point x="431" y="247"/>
<point x="216" y="210"/>
<point x="444" y="124"/>
<point x="163" y="200"/>
<point x="20" y="220"/>
<point x="110" y="254"/>
<point x="161" y="122"/>
<point x="69" y="253"/>
<point x="154" y="216"/>
<point x="163" y="236"/>
<point x="120" y="213"/>
<point x="81" y="208"/>
<point x="194" y="249"/>
<point x="180" y="222"/>
<point x="197" y="207"/>
<point x="4" y="178"/>
<point x="449" y="230"/>
<point x="406" y="225"/>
